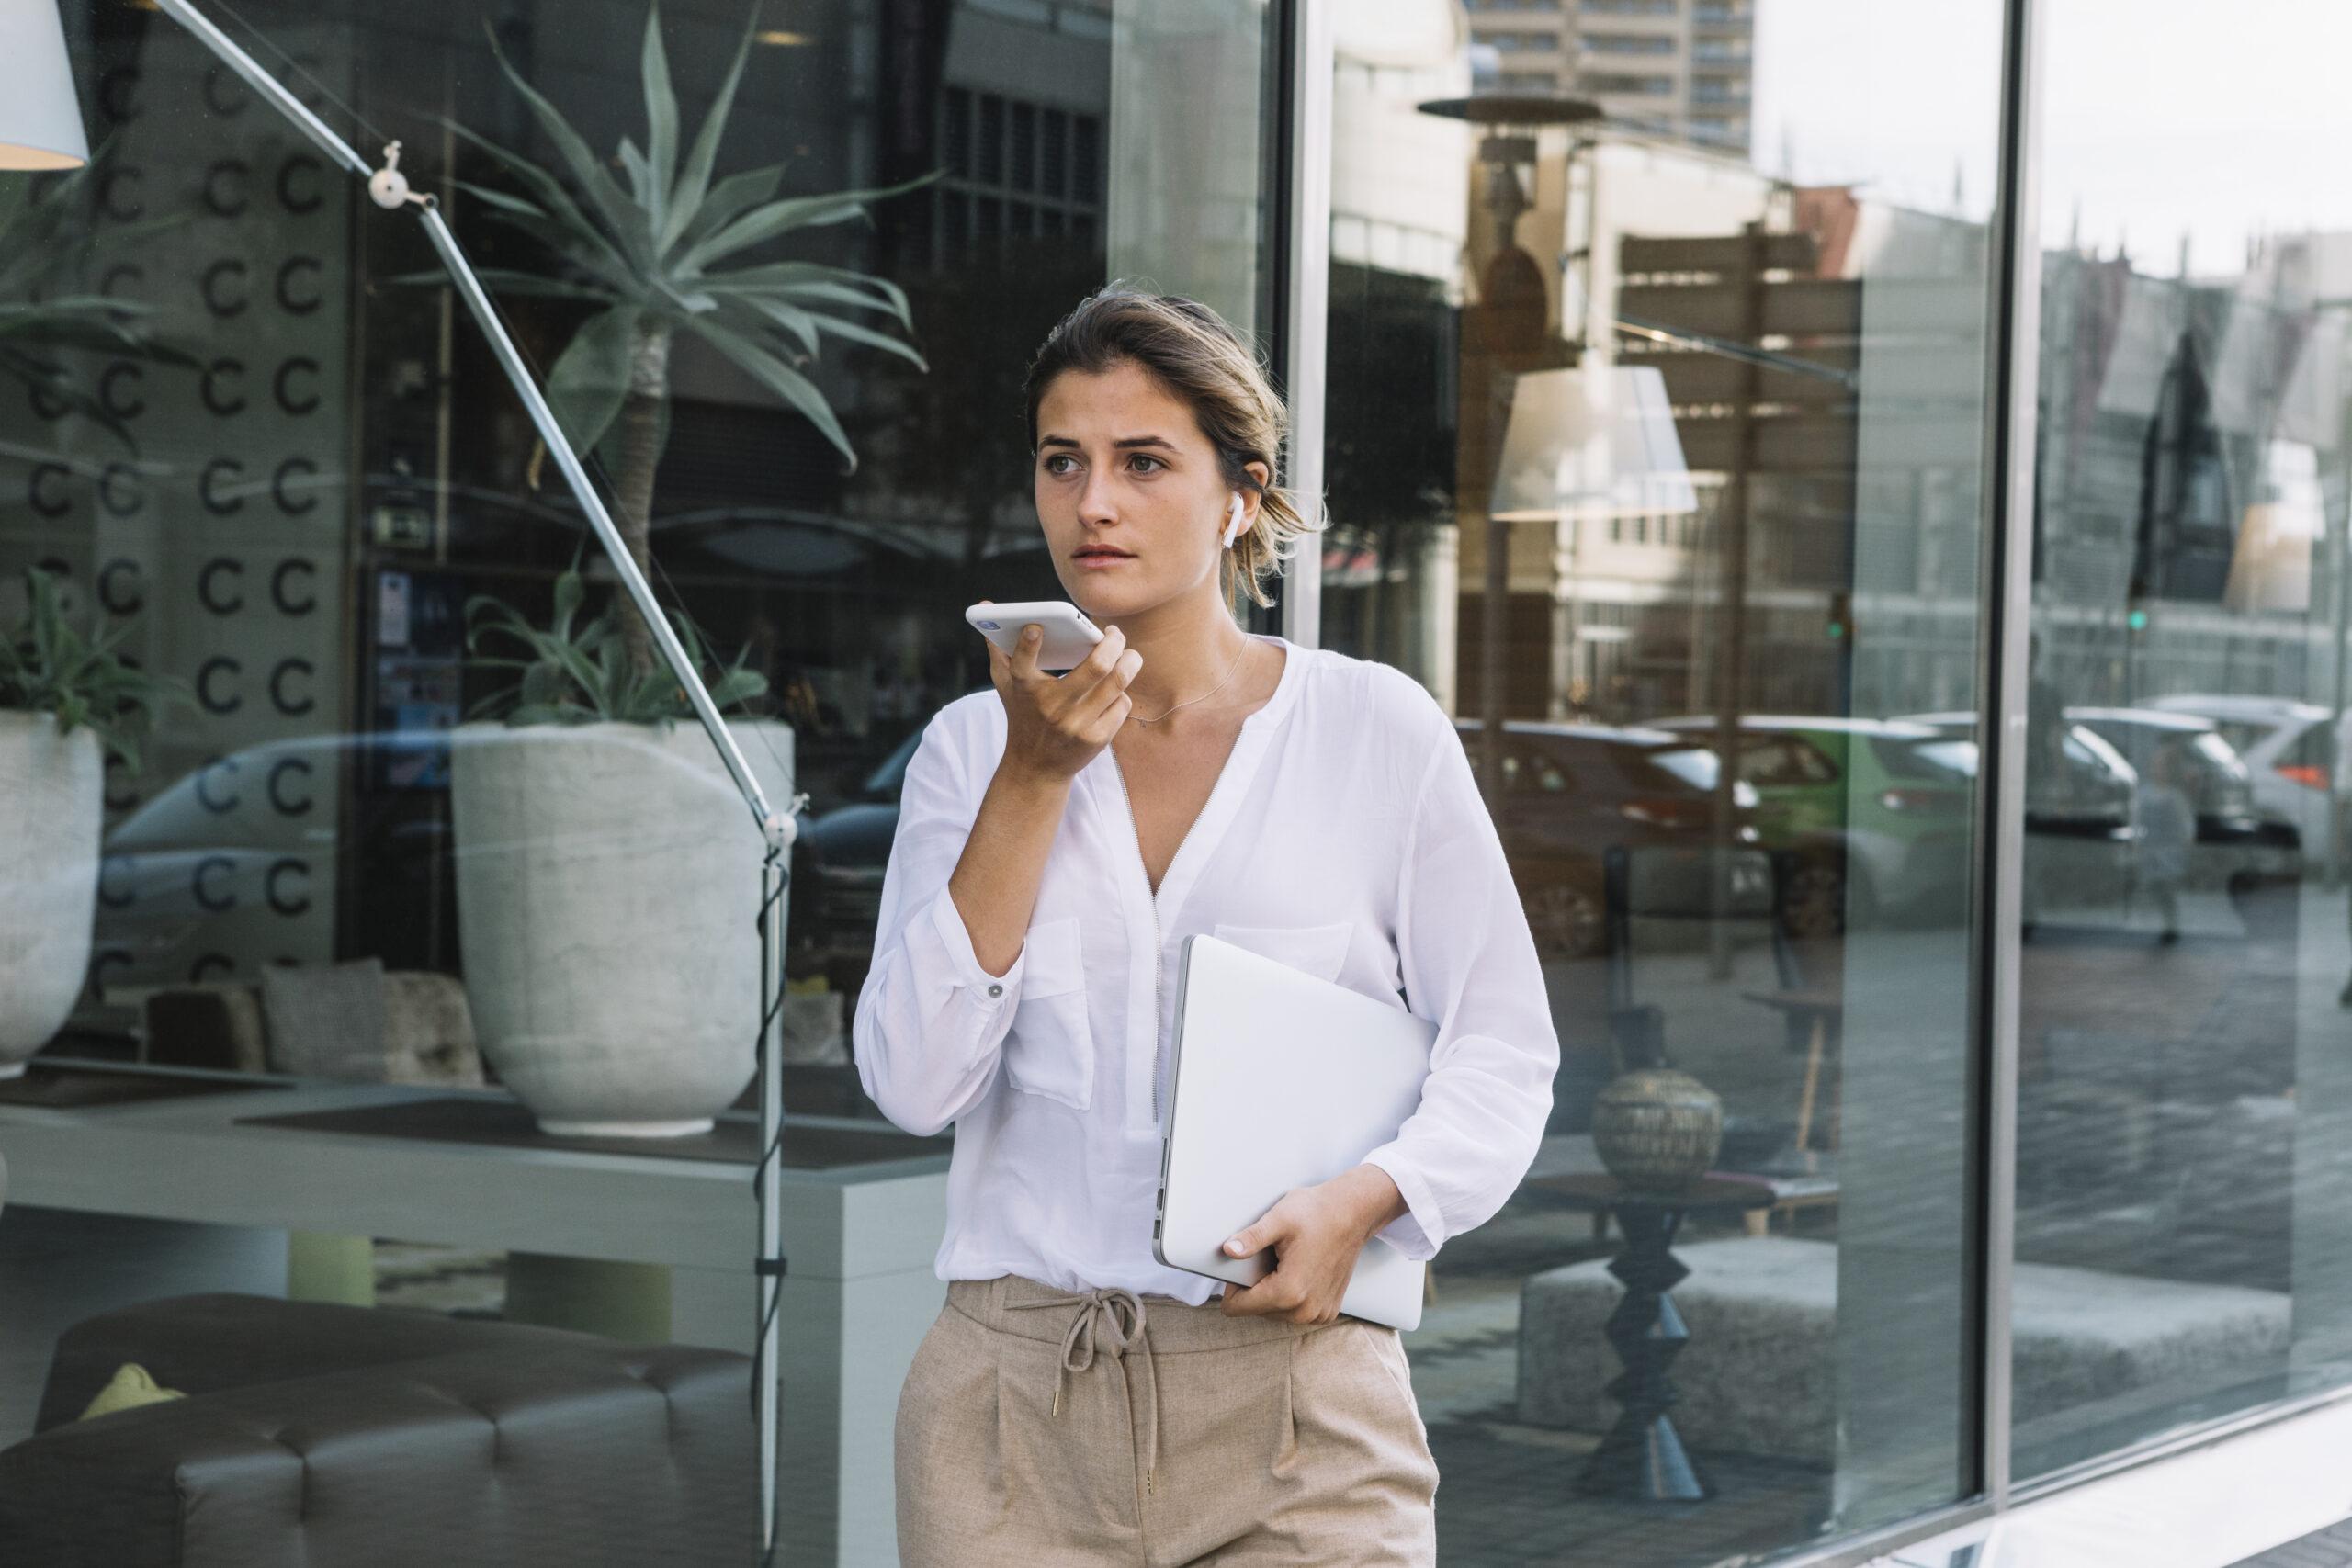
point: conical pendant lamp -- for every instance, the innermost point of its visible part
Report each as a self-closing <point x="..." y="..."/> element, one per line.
<point x="40" y="125"/>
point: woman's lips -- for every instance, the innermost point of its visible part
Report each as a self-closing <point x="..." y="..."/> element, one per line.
<point x="1102" y="559"/>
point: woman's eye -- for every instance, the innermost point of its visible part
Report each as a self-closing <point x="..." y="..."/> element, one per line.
<point x="1057" y="459"/>
<point x="1155" y="462"/>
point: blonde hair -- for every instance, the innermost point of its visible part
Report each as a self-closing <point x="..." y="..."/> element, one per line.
<point x="1192" y="351"/>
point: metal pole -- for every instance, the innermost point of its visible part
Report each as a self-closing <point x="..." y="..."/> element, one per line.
<point x="2012" y="380"/>
<point x="767" y="1397"/>
<point x="1307" y="318"/>
<point x="1732" y="650"/>
<point x="2339" y="556"/>
<point x="776" y="831"/>
<point x="268" y="87"/>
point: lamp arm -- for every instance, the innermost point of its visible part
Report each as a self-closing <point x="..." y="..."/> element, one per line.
<point x="389" y="188"/>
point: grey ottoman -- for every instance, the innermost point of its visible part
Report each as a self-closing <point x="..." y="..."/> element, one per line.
<point x="1760" y="1373"/>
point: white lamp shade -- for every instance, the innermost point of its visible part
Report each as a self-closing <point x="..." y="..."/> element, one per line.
<point x="41" y="124"/>
<point x="1594" y="441"/>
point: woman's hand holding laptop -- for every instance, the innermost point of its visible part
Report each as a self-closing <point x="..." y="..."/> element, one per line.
<point x="1317" y="1234"/>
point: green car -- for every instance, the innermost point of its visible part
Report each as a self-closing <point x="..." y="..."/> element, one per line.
<point x="1860" y="816"/>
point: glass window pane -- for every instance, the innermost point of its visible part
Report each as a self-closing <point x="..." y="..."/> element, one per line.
<point x="422" y="882"/>
<point x="1646" y="452"/>
<point x="2179" y="1030"/>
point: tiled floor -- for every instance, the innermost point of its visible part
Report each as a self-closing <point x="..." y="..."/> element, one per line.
<point x="1506" y="1495"/>
<point x="2330" y="1548"/>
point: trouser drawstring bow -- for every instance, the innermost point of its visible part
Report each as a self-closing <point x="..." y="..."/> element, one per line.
<point x="1098" y="1323"/>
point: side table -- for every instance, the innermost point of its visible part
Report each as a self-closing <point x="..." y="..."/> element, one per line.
<point x="1819" y="1011"/>
<point x="1643" y="1457"/>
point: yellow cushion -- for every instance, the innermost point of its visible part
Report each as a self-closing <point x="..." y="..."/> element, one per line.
<point x="131" y="1388"/>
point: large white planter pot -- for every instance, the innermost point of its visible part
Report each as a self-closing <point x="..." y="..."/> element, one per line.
<point x="52" y="795"/>
<point x="608" y="886"/>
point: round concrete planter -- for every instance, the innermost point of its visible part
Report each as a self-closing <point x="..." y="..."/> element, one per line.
<point x="52" y="795"/>
<point x="608" y="881"/>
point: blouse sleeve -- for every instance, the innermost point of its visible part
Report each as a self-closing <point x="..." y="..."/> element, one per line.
<point x="931" y="1023"/>
<point x="1469" y="966"/>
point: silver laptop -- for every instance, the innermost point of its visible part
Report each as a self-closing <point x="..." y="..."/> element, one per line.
<point x="1281" y="1080"/>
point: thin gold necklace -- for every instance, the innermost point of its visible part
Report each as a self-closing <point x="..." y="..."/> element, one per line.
<point x="1213" y="691"/>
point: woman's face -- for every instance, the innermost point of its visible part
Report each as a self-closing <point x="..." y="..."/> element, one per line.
<point x="1121" y="467"/>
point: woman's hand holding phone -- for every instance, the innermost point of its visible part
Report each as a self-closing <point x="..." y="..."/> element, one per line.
<point x="1055" y="725"/>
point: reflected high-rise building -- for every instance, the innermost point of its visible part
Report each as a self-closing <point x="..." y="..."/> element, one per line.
<point x="1680" y="68"/>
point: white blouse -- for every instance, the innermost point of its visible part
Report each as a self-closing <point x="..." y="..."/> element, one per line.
<point x="1346" y="837"/>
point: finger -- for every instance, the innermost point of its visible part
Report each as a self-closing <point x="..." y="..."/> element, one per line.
<point x="1111" y="689"/>
<point x="1107" y="725"/>
<point x="1245" y="1301"/>
<point x="1106" y="651"/>
<point x="1085" y="682"/>
<point x="1026" y="650"/>
<point x="1255" y="1238"/>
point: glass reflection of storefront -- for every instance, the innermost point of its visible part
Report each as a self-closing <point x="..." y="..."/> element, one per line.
<point x="1805" y="599"/>
<point x="420" y="879"/>
<point x="2180" y="1023"/>
<point x="1704" y="483"/>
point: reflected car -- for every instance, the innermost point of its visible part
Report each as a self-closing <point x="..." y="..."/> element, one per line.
<point x="2091" y="799"/>
<point x="2233" y="838"/>
<point x="234" y="864"/>
<point x="2290" y="750"/>
<point x="1856" y="816"/>
<point x="838" y="861"/>
<point x="2082" y="825"/>
<point x="1572" y="793"/>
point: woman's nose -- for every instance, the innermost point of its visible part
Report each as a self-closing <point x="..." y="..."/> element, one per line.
<point x="1097" y="499"/>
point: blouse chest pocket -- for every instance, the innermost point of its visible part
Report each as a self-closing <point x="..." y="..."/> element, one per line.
<point x="1050" y="1051"/>
<point x="1320" y="951"/>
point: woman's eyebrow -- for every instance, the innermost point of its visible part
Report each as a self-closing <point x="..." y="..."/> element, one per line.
<point x="1123" y="444"/>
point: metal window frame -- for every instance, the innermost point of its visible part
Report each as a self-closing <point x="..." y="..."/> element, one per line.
<point x="1304" y="224"/>
<point x="2013" y="369"/>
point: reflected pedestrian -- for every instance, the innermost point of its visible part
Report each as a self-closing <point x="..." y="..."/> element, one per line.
<point x="2167" y="828"/>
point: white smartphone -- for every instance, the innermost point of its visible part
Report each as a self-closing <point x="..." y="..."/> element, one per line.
<point x="1070" y="635"/>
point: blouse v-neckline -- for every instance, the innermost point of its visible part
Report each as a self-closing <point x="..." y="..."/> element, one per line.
<point x="1232" y="781"/>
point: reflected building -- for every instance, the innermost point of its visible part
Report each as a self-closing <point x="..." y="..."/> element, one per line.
<point x="1677" y="68"/>
<point x="2182" y="543"/>
<point x="1853" y="555"/>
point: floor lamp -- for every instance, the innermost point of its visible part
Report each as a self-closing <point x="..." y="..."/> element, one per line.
<point x="41" y="128"/>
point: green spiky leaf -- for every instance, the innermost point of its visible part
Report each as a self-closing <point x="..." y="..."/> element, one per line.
<point x="50" y="665"/>
<point x="667" y="244"/>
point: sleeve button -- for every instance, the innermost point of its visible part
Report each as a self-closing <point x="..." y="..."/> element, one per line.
<point x="996" y="990"/>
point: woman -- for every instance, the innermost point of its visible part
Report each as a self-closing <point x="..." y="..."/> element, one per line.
<point x="1076" y="1401"/>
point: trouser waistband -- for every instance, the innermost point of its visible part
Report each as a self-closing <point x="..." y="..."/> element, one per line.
<point x="1014" y="1303"/>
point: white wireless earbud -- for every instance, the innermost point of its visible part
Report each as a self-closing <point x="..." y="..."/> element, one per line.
<point x="1233" y="522"/>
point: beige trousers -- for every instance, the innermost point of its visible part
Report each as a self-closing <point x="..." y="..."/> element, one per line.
<point x="1042" y="1429"/>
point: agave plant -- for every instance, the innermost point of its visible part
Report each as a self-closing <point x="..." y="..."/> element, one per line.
<point x="48" y="665"/>
<point x="670" y="254"/>
<point x="579" y="673"/>
<point x="42" y="239"/>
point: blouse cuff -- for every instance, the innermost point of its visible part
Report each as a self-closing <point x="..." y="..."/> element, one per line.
<point x="1418" y="1232"/>
<point x="955" y="942"/>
